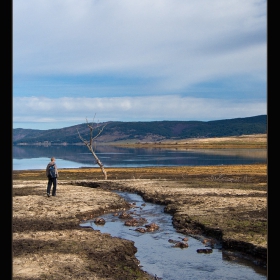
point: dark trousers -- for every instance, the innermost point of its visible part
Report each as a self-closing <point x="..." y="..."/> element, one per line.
<point x="52" y="181"/>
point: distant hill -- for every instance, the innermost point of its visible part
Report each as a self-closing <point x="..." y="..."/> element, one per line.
<point x="144" y="131"/>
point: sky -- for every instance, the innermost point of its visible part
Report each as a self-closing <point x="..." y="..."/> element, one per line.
<point x="137" y="60"/>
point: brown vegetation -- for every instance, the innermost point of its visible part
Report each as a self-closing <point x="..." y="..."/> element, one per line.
<point x="232" y="142"/>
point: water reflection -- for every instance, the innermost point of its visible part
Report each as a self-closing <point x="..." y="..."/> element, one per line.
<point x="111" y="156"/>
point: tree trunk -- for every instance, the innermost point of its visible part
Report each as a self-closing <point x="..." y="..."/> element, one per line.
<point x="99" y="163"/>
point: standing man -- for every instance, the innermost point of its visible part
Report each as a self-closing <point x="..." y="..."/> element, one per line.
<point x="52" y="174"/>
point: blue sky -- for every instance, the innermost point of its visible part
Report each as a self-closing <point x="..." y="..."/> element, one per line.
<point x="137" y="60"/>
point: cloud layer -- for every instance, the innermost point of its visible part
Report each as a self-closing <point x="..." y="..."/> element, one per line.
<point x="200" y="52"/>
<point x="67" y="111"/>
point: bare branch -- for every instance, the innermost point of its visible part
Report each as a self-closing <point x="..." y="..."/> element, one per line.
<point x="99" y="132"/>
<point x="83" y="140"/>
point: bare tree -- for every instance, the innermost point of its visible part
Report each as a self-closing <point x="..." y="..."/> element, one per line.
<point x="90" y="143"/>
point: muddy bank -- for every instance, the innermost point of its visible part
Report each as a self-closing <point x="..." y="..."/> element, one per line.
<point x="48" y="242"/>
<point x="226" y="202"/>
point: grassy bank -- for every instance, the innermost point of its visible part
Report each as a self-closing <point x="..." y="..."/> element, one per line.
<point x="255" y="141"/>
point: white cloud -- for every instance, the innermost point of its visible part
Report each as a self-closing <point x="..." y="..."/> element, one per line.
<point x="76" y="110"/>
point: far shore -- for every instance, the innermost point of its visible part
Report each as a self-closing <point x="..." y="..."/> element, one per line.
<point x="253" y="141"/>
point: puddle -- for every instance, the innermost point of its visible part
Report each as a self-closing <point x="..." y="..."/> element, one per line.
<point x="156" y="251"/>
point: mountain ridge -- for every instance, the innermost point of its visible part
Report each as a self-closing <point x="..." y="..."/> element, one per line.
<point x="153" y="131"/>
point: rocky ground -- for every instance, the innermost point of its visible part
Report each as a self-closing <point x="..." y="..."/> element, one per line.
<point x="225" y="203"/>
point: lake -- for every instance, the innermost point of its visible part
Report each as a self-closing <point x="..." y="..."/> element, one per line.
<point x="74" y="156"/>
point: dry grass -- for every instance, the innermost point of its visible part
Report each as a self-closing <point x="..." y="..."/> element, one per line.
<point x="216" y="173"/>
<point x="243" y="141"/>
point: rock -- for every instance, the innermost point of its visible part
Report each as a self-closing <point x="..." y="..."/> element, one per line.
<point x="205" y="251"/>
<point x="181" y="245"/>
<point x="99" y="221"/>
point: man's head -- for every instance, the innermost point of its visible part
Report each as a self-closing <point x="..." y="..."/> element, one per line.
<point x="52" y="159"/>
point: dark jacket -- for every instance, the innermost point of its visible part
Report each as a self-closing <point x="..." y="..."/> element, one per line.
<point x="47" y="168"/>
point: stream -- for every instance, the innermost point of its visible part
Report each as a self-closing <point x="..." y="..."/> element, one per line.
<point x="159" y="257"/>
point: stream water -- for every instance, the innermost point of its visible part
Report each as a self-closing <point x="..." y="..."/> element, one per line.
<point x="158" y="256"/>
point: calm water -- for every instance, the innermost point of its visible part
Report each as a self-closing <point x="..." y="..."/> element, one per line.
<point x="37" y="157"/>
<point x="158" y="256"/>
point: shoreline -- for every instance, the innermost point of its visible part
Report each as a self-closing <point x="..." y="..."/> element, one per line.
<point x="252" y="141"/>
